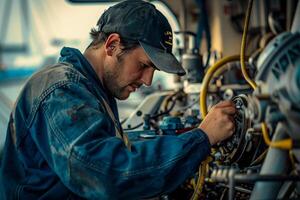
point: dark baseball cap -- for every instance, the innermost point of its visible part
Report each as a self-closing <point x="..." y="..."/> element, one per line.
<point x="141" y="21"/>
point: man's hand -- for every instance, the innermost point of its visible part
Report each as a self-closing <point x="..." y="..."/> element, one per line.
<point x="219" y="122"/>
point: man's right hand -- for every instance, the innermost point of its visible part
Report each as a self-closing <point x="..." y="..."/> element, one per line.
<point x="219" y="122"/>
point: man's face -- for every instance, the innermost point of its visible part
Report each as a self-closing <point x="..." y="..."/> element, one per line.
<point x="124" y="75"/>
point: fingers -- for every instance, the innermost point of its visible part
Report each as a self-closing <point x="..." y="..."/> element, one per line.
<point x="227" y="122"/>
<point x="231" y="118"/>
<point x="231" y="125"/>
<point x="224" y="104"/>
<point x="226" y="107"/>
<point x="219" y="123"/>
<point x="229" y="110"/>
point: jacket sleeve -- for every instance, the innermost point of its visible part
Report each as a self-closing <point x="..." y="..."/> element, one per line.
<point x="77" y="140"/>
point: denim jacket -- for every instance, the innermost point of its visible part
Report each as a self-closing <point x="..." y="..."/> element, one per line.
<point x="61" y="143"/>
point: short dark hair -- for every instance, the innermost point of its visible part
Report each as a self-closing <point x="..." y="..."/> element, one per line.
<point x="99" y="37"/>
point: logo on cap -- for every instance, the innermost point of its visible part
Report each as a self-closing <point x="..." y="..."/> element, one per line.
<point x="168" y="38"/>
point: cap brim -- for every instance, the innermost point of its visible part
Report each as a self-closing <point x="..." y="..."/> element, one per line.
<point x="162" y="60"/>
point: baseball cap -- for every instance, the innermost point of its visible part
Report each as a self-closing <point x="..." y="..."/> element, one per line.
<point x="141" y="21"/>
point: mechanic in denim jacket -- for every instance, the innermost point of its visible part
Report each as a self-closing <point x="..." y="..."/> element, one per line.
<point x="64" y="139"/>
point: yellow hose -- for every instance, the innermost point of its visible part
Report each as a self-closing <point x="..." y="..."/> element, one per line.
<point x="200" y="182"/>
<point x="203" y="107"/>
<point x="207" y="78"/>
<point x="205" y="83"/>
<point x="282" y="144"/>
<point x="243" y="46"/>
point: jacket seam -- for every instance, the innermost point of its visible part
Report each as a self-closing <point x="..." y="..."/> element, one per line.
<point x="33" y="112"/>
<point x="50" y="89"/>
<point x="41" y="98"/>
<point x="55" y="130"/>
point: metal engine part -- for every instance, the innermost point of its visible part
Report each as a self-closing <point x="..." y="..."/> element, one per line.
<point x="233" y="148"/>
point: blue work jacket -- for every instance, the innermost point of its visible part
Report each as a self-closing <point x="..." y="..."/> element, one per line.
<point x="61" y="143"/>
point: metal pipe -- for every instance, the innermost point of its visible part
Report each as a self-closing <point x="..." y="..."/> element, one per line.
<point x="231" y="180"/>
<point x="243" y="178"/>
<point x="275" y="164"/>
<point x="183" y="18"/>
<point x="237" y="188"/>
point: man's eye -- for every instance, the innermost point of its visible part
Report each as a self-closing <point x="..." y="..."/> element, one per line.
<point x="143" y="65"/>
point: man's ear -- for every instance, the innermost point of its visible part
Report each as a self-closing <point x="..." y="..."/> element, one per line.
<point x="111" y="44"/>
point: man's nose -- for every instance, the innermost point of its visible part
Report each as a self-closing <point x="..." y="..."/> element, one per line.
<point x="147" y="76"/>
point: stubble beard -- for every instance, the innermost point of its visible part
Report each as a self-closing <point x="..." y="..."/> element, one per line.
<point x="111" y="78"/>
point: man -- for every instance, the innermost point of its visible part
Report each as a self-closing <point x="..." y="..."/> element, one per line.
<point x="64" y="139"/>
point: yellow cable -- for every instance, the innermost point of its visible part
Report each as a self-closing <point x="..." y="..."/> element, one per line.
<point x="282" y="144"/>
<point x="203" y="107"/>
<point x="243" y="46"/>
<point x="205" y="83"/>
<point x="200" y="182"/>
<point x="208" y="75"/>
